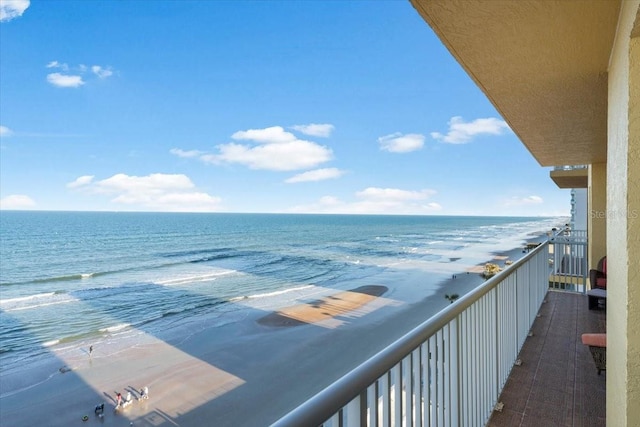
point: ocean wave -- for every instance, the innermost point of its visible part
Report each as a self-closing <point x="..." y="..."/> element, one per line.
<point x="36" y="301"/>
<point x="115" y="328"/>
<point x="279" y="260"/>
<point x="213" y="258"/>
<point x="189" y="308"/>
<point x="193" y="252"/>
<point x="64" y="278"/>
<point x="387" y="239"/>
<point x="26" y="298"/>
<point x="70" y="277"/>
<point x="95" y="274"/>
<point x="272" y="294"/>
<point x="195" y="278"/>
<point x="101" y="292"/>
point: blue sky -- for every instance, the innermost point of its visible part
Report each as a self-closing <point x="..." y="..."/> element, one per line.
<point x="250" y="106"/>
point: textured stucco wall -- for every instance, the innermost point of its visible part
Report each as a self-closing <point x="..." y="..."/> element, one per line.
<point x="633" y="231"/>
<point x="597" y="220"/>
<point x="623" y="204"/>
<point x="617" y="236"/>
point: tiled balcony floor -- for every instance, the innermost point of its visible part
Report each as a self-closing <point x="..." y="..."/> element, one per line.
<point x="557" y="383"/>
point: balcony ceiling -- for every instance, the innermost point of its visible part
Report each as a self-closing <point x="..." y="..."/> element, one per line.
<point x="575" y="178"/>
<point x="543" y="65"/>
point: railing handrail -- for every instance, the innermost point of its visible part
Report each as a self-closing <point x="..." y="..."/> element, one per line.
<point x="565" y="235"/>
<point x="318" y="408"/>
<point x="569" y="167"/>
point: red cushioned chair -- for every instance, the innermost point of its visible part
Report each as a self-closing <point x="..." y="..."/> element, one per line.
<point x="598" y="276"/>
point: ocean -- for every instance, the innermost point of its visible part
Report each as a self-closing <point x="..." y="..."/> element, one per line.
<point x="73" y="279"/>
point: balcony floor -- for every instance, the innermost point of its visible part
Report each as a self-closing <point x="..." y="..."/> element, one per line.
<point x="557" y="383"/>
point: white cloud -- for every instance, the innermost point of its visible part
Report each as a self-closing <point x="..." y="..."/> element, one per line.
<point x="374" y="200"/>
<point x="270" y="135"/>
<point x="155" y="192"/>
<point x="313" y="129"/>
<point x="374" y="193"/>
<point x="56" y="64"/>
<point x="64" y="80"/>
<point x="433" y="206"/>
<point x="75" y="76"/>
<point x="398" y="143"/>
<point x="5" y="131"/>
<point x="270" y="148"/>
<point x="277" y="150"/>
<point x="533" y="200"/>
<point x="523" y="201"/>
<point x="16" y="202"/>
<point x="99" y="71"/>
<point x="10" y="9"/>
<point x="461" y="132"/>
<point x="185" y="154"/>
<point x="316" y="175"/>
<point x="293" y="155"/>
<point x="155" y="183"/>
<point x="172" y="202"/>
<point x="329" y="201"/>
<point x="81" y="181"/>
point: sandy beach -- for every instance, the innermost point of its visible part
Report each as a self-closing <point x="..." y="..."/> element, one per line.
<point x="245" y="373"/>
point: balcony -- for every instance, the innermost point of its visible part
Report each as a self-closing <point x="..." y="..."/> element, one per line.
<point x="508" y="353"/>
<point x="557" y="383"/>
<point x="565" y="177"/>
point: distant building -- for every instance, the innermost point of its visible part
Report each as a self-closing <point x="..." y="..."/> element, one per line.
<point x="579" y="209"/>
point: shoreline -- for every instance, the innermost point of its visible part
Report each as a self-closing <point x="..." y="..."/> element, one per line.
<point x="245" y="373"/>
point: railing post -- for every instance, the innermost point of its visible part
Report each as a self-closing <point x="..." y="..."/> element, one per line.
<point x="454" y="351"/>
<point x="426" y="397"/>
<point x="417" y="388"/>
<point x="407" y="390"/>
<point x="397" y="394"/>
<point x="498" y="318"/>
<point x="372" y="406"/>
<point x="386" y="400"/>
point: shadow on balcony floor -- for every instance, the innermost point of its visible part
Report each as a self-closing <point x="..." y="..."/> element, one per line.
<point x="557" y="383"/>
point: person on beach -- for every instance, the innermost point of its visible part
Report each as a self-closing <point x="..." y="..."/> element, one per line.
<point x="144" y="393"/>
<point x="99" y="409"/>
<point x="128" y="401"/>
<point x="118" y="400"/>
<point x="90" y="350"/>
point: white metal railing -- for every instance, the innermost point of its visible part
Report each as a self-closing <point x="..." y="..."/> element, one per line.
<point x="568" y="260"/>
<point x="569" y="167"/>
<point x="448" y="371"/>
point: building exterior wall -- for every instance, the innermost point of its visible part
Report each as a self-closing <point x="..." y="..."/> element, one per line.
<point x="597" y="222"/>
<point x="623" y="207"/>
<point x="579" y="209"/>
<point x="633" y="230"/>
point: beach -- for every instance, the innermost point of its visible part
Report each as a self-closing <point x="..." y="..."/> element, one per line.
<point x="246" y="373"/>
<point x="229" y="320"/>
